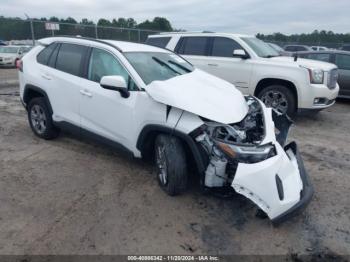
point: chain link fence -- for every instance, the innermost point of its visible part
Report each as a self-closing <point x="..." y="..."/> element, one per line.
<point x="18" y="31"/>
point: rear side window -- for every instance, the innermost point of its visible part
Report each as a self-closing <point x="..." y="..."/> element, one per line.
<point x="300" y="48"/>
<point x="320" y="57"/>
<point x="44" y="56"/>
<point x="193" y="46"/>
<point x="343" y="61"/>
<point x="224" y="47"/>
<point x="289" y="48"/>
<point x="53" y="56"/>
<point x="158" y="41"/>
<point x="70" y="58"/>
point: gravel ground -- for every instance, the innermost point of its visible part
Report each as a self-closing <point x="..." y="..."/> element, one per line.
<point x="70" y="196"/>
<point x="8" y="77"/>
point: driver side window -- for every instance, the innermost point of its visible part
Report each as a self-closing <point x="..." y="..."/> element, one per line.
<point x="224" y="47"/>
<point x="103" y="63"/>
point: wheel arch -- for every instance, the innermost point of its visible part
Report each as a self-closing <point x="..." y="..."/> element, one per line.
<point x="31" y="91"/>
<point x="276" y="81"/>
<point x="146" y="139"/>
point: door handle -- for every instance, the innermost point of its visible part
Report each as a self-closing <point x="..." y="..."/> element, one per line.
<point x="85" y="93"/>
<point x="46" y="76"/>
<point x="212" y="64"/>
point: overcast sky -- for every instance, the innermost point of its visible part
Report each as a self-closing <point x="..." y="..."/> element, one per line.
<point x="244" y="16"/>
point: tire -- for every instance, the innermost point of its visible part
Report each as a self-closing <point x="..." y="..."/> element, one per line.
<point x="280" y="98"/>
<point x="40" y="119"/>
<point x="171" y="166"/>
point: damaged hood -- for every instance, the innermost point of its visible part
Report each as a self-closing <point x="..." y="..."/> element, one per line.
<point x="202" y="94"/>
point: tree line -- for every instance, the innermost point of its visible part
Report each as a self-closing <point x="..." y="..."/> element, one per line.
<point x="18" y="29"/>
<point x="322" y="37"/>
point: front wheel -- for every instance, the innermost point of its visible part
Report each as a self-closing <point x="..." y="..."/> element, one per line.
<point x="280" y="98"/>
<point x="171" y="167"/>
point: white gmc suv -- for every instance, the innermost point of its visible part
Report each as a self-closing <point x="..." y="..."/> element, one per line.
<point x="284" y="83"/>
<point x="152" y="103"/>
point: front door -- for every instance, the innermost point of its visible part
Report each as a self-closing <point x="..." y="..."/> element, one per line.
<point x="215" y="56"/>
<point x="233" y="69"/>
<point x="105" y="112"/>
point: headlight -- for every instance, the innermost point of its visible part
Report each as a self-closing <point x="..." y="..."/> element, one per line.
<point x="247" y="154"/>
<point x="316" y="76"/>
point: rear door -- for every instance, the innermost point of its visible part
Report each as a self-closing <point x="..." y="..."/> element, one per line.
<point x="63" y="77"/>
<point x="343" y="63"/>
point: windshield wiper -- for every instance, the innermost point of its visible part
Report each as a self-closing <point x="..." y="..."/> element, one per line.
<point x="180" y="66"/>
<point x="165" y="64"/>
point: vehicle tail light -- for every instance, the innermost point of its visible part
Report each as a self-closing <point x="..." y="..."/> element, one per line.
<point x="19" y="65"/>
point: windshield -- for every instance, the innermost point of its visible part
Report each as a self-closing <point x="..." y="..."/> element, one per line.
<point x="261" y="48"/>
<point x="153" y="66"/>
<point x="8" y="49"/>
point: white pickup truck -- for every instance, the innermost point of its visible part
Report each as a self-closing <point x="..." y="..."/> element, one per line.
<point x="288" y="84"/>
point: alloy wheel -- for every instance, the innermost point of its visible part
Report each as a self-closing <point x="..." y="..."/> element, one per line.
<point x="276" y="100"/>
<point x="161" y="165"/>
<point x="38" y="119"/>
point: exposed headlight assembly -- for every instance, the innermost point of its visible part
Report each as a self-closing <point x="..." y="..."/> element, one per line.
<point x="316" y="76"/>
<point x="247" y="154"/>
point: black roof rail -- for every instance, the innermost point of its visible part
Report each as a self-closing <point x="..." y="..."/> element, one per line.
<point x="89" y="39"/>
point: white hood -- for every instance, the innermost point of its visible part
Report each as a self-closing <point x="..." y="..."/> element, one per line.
<point x="202" y="94"/>
<point x="305" y="62"/>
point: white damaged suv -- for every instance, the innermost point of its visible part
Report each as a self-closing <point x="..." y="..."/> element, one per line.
<point x="153" y="103"/>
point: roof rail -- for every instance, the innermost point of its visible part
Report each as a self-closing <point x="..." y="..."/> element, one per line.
<point x="185" y="32"/>
<point x="90" y="39"/>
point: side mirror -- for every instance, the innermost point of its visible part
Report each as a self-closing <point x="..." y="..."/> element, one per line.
<point x="240" y="53"/>
<point x="116" y="83"/>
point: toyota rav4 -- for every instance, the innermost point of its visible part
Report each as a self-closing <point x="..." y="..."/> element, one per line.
<point x="152" y="102"/>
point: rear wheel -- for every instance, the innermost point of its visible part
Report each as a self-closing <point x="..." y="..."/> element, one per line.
<point x="171" y="164"/>
<point x="40" y="119"/>
<point x="280" y="98"/>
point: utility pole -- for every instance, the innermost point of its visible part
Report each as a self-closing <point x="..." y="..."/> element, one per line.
<point x="96" y="34"/>
<point x="31" y="28"/>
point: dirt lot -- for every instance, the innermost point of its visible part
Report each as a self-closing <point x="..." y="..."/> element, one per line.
<point x="73" y="197"/>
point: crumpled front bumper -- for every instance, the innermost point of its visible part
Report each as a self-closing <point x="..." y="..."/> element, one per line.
<point x="280" y="185"/>
<point x="305" y="194"/>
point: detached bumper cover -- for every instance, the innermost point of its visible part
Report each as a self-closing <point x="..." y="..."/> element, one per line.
<point x="279" y="185"/>
<point x="305" y="195"/>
